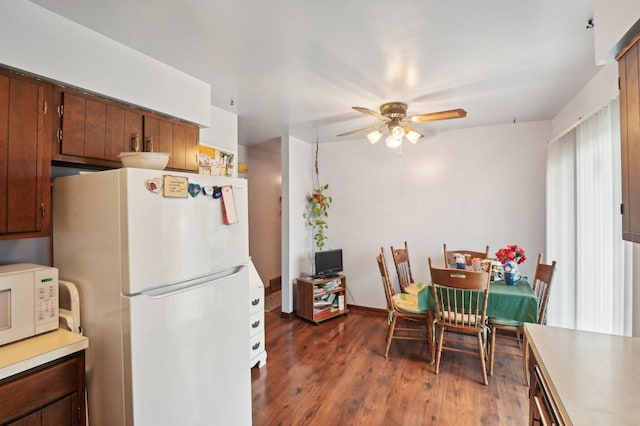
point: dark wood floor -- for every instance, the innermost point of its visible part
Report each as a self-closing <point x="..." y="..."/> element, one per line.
<point x="336" y="374"/>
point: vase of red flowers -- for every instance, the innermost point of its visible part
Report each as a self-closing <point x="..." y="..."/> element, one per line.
<point x="510" y="257"/>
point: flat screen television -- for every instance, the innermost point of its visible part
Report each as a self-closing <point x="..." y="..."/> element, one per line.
<point x="328" y="263"/>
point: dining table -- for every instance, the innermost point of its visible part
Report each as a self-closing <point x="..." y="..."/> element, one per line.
<point x="513" y="302"/>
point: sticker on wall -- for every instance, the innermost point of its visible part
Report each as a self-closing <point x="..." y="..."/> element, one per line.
<point x="194" y="189"/>
<point x="153" y="185"/>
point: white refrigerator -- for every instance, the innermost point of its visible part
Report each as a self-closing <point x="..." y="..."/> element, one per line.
<point x="164" y="294"/>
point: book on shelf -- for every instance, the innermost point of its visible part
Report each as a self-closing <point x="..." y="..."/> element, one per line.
<point x="326" y="311"/>
<point x="329" y="299"/>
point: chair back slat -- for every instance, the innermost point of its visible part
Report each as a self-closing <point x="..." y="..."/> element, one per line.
<point x="469" y="255"/>
<point x="460" y="297"/>
<point x="542" y="286"/>
<point x="403" y="266"/>
<point x="384" y="275"/>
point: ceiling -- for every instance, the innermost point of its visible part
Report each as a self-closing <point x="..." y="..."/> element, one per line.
<point x="299" y="66"/>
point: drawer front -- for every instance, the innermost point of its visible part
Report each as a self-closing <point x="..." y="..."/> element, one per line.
<point x="256" y="323"/>
<point x="257" y="344"/>
<point x="256" y="299"/>
<point x="38" y="389"/>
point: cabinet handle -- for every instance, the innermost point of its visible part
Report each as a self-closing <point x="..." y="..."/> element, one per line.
<point x="44" y="107"/>
<point x="135" y="143"/>
<point x="148" y="144"/>
<point x="42" y="209"/>
<point x="255" y="324"/>
<point x="59" y="134"/>
<point x="255" y="302"/>
<point x="256" y="346"/>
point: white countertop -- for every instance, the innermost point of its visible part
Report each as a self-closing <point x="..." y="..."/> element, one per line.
<point x="34" y="351"/>
<point x="593" y="377"/>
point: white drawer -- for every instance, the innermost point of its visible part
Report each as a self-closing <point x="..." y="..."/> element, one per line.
<point x="256" y="300"/>
<point x="256" y="323"/>
<point x="257" y="344"/>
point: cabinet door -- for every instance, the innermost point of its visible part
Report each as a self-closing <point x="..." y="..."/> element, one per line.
<point x="191" y="148"/>
<point x="629" y="72"/>
<point x="24" y="157"/>
<point x="95" y="137"/>
<point x="123" y="127"/>
<point x="93" y="128"/>
<point x="73" y="124"/>
<point x="33" y="419"/>
<point x="179" y="146"/>
<point x="61" y="413"/>
<point x="84" y="123"/>
<point x="180" y="140"/>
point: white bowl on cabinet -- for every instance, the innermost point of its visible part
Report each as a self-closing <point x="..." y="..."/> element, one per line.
<point x="145" y="160"/>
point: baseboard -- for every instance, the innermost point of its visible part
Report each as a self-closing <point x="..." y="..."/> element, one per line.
<point x="366" y="310"/>
<point x="275" y="283"/>
<point x="287" y="315"/>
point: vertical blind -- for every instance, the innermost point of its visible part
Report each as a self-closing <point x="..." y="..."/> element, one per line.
<point x="592" y="283"/>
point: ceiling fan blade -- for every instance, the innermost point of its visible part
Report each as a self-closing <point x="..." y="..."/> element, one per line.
<point x="371" y="113"/>
<point x="366" y="129"/>
<point x="436" y="116"/>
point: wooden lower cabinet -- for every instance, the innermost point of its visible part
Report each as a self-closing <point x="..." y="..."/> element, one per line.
<point x="51" y="394"/>
<point x="543" y="409"/>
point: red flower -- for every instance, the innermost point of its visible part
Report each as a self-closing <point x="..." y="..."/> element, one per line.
<point x="512" y="253"/>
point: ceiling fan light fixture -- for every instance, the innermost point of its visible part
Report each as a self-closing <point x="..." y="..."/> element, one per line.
<point x="397" y="132"/>
<point x="374" y="137"/>
<point x="393" y="142"/>
<point x="413" y="136"/>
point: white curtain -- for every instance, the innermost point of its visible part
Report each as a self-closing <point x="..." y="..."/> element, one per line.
<point x="592" y="284"/>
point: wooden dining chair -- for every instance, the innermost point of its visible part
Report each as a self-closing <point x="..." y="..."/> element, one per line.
<point x="403" y="270"/>
<point x="468" y="254"/>
<point x="460" y="299"/>
<point x="402" y="307"/>
<point x="512" y="332"/>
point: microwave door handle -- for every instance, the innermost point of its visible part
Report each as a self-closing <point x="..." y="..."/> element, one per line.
<point x="169" y="291"/>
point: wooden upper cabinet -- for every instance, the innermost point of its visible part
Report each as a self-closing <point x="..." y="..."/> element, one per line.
<point x="177" y="138"/>
<point x="93" y="130"/>
<point x="25" y="165"/>
<point x="629" y="74"/>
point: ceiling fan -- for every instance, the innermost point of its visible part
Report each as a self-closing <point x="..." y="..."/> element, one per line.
<point x="394" y="115"/>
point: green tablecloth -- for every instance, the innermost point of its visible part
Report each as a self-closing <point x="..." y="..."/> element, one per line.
<point x="514" y="302"/>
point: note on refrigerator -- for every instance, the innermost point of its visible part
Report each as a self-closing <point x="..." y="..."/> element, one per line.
<point x="229" y="205"/>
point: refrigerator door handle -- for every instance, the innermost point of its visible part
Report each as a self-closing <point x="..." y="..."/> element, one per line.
<point x="168" y="291"/>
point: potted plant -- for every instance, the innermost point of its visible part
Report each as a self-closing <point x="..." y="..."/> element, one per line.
<point x="511" y="256"/>
<point x="317" y="213"/>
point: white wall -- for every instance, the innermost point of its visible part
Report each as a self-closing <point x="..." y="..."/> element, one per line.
<point x="41" y="42"/>
<point x="467" y="188"/>
<point x="297" y="181"/>
<point x="223" y="132"/>
<point x="612" y="19"/>
<point x="265" y="230"/>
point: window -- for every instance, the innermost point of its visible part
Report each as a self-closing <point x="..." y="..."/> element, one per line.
<point x="592" y="284"/>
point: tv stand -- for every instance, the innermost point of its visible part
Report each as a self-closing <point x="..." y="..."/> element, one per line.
<point x="312" y="292"/>
<point x="325" y="276"/>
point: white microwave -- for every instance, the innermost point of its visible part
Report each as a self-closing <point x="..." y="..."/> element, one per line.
<point x="28" y="301"/>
